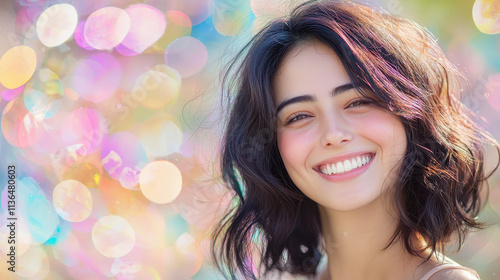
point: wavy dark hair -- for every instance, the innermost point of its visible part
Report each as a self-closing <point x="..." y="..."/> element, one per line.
<point x="437" y="193"/>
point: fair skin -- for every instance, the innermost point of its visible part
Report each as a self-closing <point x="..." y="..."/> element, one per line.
<point x="320" y="127"/>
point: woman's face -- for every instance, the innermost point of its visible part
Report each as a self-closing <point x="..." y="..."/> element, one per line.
<point x="326" y="126"/>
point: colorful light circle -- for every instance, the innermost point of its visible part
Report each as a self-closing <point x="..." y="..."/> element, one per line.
<point x="106" y="28"/>
<point x="17" y="66"/>
<point x="160" y="181"/>
<point x="72" y="201"/>
<point x="187" y="55"/>
<point x="113" y="236"/>
<point x="142" y="17"/>
<point x="56" y="24"/>
<point x="486" y="15"/>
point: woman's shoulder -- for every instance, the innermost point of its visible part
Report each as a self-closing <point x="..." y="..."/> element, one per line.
<point x="455" y="274"/>
<point x="450" y="270"/>
<point x="446" y="270"/>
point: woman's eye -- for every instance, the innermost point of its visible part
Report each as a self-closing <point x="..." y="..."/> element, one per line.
<point x="296" y="117"/>
<point x="358" y="103"/>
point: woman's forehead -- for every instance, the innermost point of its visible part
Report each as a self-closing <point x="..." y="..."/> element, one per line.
<point x="303" y="52"/>
<point x="309" y="66"/>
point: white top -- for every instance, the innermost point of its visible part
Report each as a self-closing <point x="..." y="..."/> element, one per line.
<point x="444" y="266"/>
<point x="448" y="266"/>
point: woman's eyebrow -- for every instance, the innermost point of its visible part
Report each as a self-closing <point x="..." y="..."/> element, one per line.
<point x="309" y="98"/>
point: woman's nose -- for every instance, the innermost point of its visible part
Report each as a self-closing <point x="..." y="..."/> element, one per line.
<point x="335" y="132"/>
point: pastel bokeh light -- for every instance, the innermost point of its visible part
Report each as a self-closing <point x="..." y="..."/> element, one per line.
<point x="160" y="181"/>
<point x="187" y="55"/>
<point x="113" y="236"/>
<point x="106" y="28"/>
<point x="56" y="24"/>
<point x="17" y="66"/>
<point x="72" y="201"/>
<point x="486" y="15"/>
<point x="137" y="41"/>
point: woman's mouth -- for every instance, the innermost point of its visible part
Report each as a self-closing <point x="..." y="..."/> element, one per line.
<point x="346" y="165"/>
<point x="346" y="169"/>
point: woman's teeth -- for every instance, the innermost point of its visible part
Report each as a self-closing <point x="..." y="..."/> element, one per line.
<point x="345" y="166"/>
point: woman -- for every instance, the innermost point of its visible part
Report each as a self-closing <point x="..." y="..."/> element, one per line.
<point x="346" y="139"/>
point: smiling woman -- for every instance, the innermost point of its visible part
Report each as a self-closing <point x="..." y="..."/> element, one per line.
<point x="370" y="160"/>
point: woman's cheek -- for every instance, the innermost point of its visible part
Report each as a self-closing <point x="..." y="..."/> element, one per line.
<point x="293" y="148"/>
<point x="384" y="129"/>
<point x="377" y="124"/>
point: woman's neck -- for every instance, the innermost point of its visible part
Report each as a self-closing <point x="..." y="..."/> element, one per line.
<point x="354" y="242"/>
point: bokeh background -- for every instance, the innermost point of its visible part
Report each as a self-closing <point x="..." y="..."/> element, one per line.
<point x="111" y="116"/>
